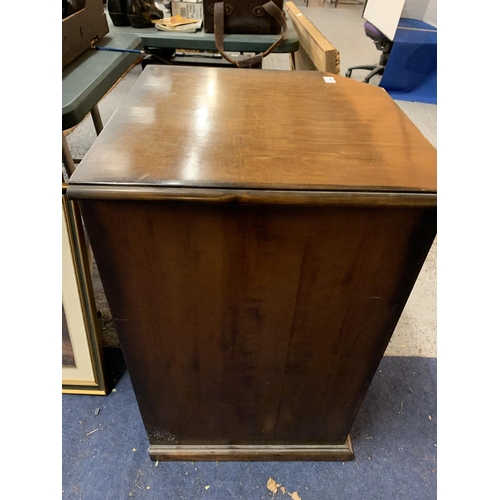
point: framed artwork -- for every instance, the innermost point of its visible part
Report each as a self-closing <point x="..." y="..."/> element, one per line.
<point x="82" y="369"/>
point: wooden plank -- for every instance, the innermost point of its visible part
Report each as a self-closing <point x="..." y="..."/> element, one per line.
<point x="315" y="49"/>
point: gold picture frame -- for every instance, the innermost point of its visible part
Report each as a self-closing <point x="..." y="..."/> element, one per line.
<point x="82" y="367"/>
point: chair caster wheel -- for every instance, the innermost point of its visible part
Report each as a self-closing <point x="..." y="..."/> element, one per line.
<point x="348" y="73"/>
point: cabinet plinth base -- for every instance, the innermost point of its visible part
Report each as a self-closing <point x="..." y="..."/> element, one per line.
<point x="341" y="452"/>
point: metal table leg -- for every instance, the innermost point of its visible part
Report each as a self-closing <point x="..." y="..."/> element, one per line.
<point x="67" y="159"/>
<point x="96" y="118"/>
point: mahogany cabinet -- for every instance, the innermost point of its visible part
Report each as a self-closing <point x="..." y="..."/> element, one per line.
<point x="258" y="234"/>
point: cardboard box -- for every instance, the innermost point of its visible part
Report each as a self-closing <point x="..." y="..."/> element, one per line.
<point x="188" y="10"/>
<point x="81" y="28"/>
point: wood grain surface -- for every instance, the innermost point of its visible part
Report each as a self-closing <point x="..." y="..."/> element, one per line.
<point x="216" y="127"/>
<point x="248" y="324"/>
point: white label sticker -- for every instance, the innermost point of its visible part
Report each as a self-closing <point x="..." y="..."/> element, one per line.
<point x="298" y="15"/>
<point x="329" y="79"/>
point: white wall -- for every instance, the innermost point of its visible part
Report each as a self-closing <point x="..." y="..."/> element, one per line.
<point x="415" y="9"/>
<point x="430" y="16"/>
<point x="423" y="10"/>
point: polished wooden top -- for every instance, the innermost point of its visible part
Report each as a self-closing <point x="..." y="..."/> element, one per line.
<point x="258" y="129"/>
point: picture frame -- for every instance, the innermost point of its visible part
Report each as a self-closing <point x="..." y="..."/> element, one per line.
<point x="82" y="360"/>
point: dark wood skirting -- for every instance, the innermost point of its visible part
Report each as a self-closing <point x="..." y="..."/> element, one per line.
<point x="341" y="452"/>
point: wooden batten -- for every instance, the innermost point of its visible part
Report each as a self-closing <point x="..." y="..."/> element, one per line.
<point x="315" y="51"/>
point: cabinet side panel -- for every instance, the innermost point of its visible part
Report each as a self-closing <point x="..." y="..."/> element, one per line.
<point x="356" y="276"/>
<point x="254" y="324"/>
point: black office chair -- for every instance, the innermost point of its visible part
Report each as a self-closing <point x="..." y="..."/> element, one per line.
<point x="382" y="43"/>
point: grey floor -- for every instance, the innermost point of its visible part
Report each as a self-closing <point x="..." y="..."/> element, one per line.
<point x="415" y="334"/>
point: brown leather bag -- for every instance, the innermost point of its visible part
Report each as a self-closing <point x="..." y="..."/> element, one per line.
<point x="243" y="17"/>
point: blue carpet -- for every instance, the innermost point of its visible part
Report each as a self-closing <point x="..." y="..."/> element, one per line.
<point x="105" y="455"/>
<point x="411" y="72"/>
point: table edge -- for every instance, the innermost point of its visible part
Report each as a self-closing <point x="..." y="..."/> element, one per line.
<point x="339" y="197"/>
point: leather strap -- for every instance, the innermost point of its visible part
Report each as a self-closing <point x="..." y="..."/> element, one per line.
<point x="272" y="9"/>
